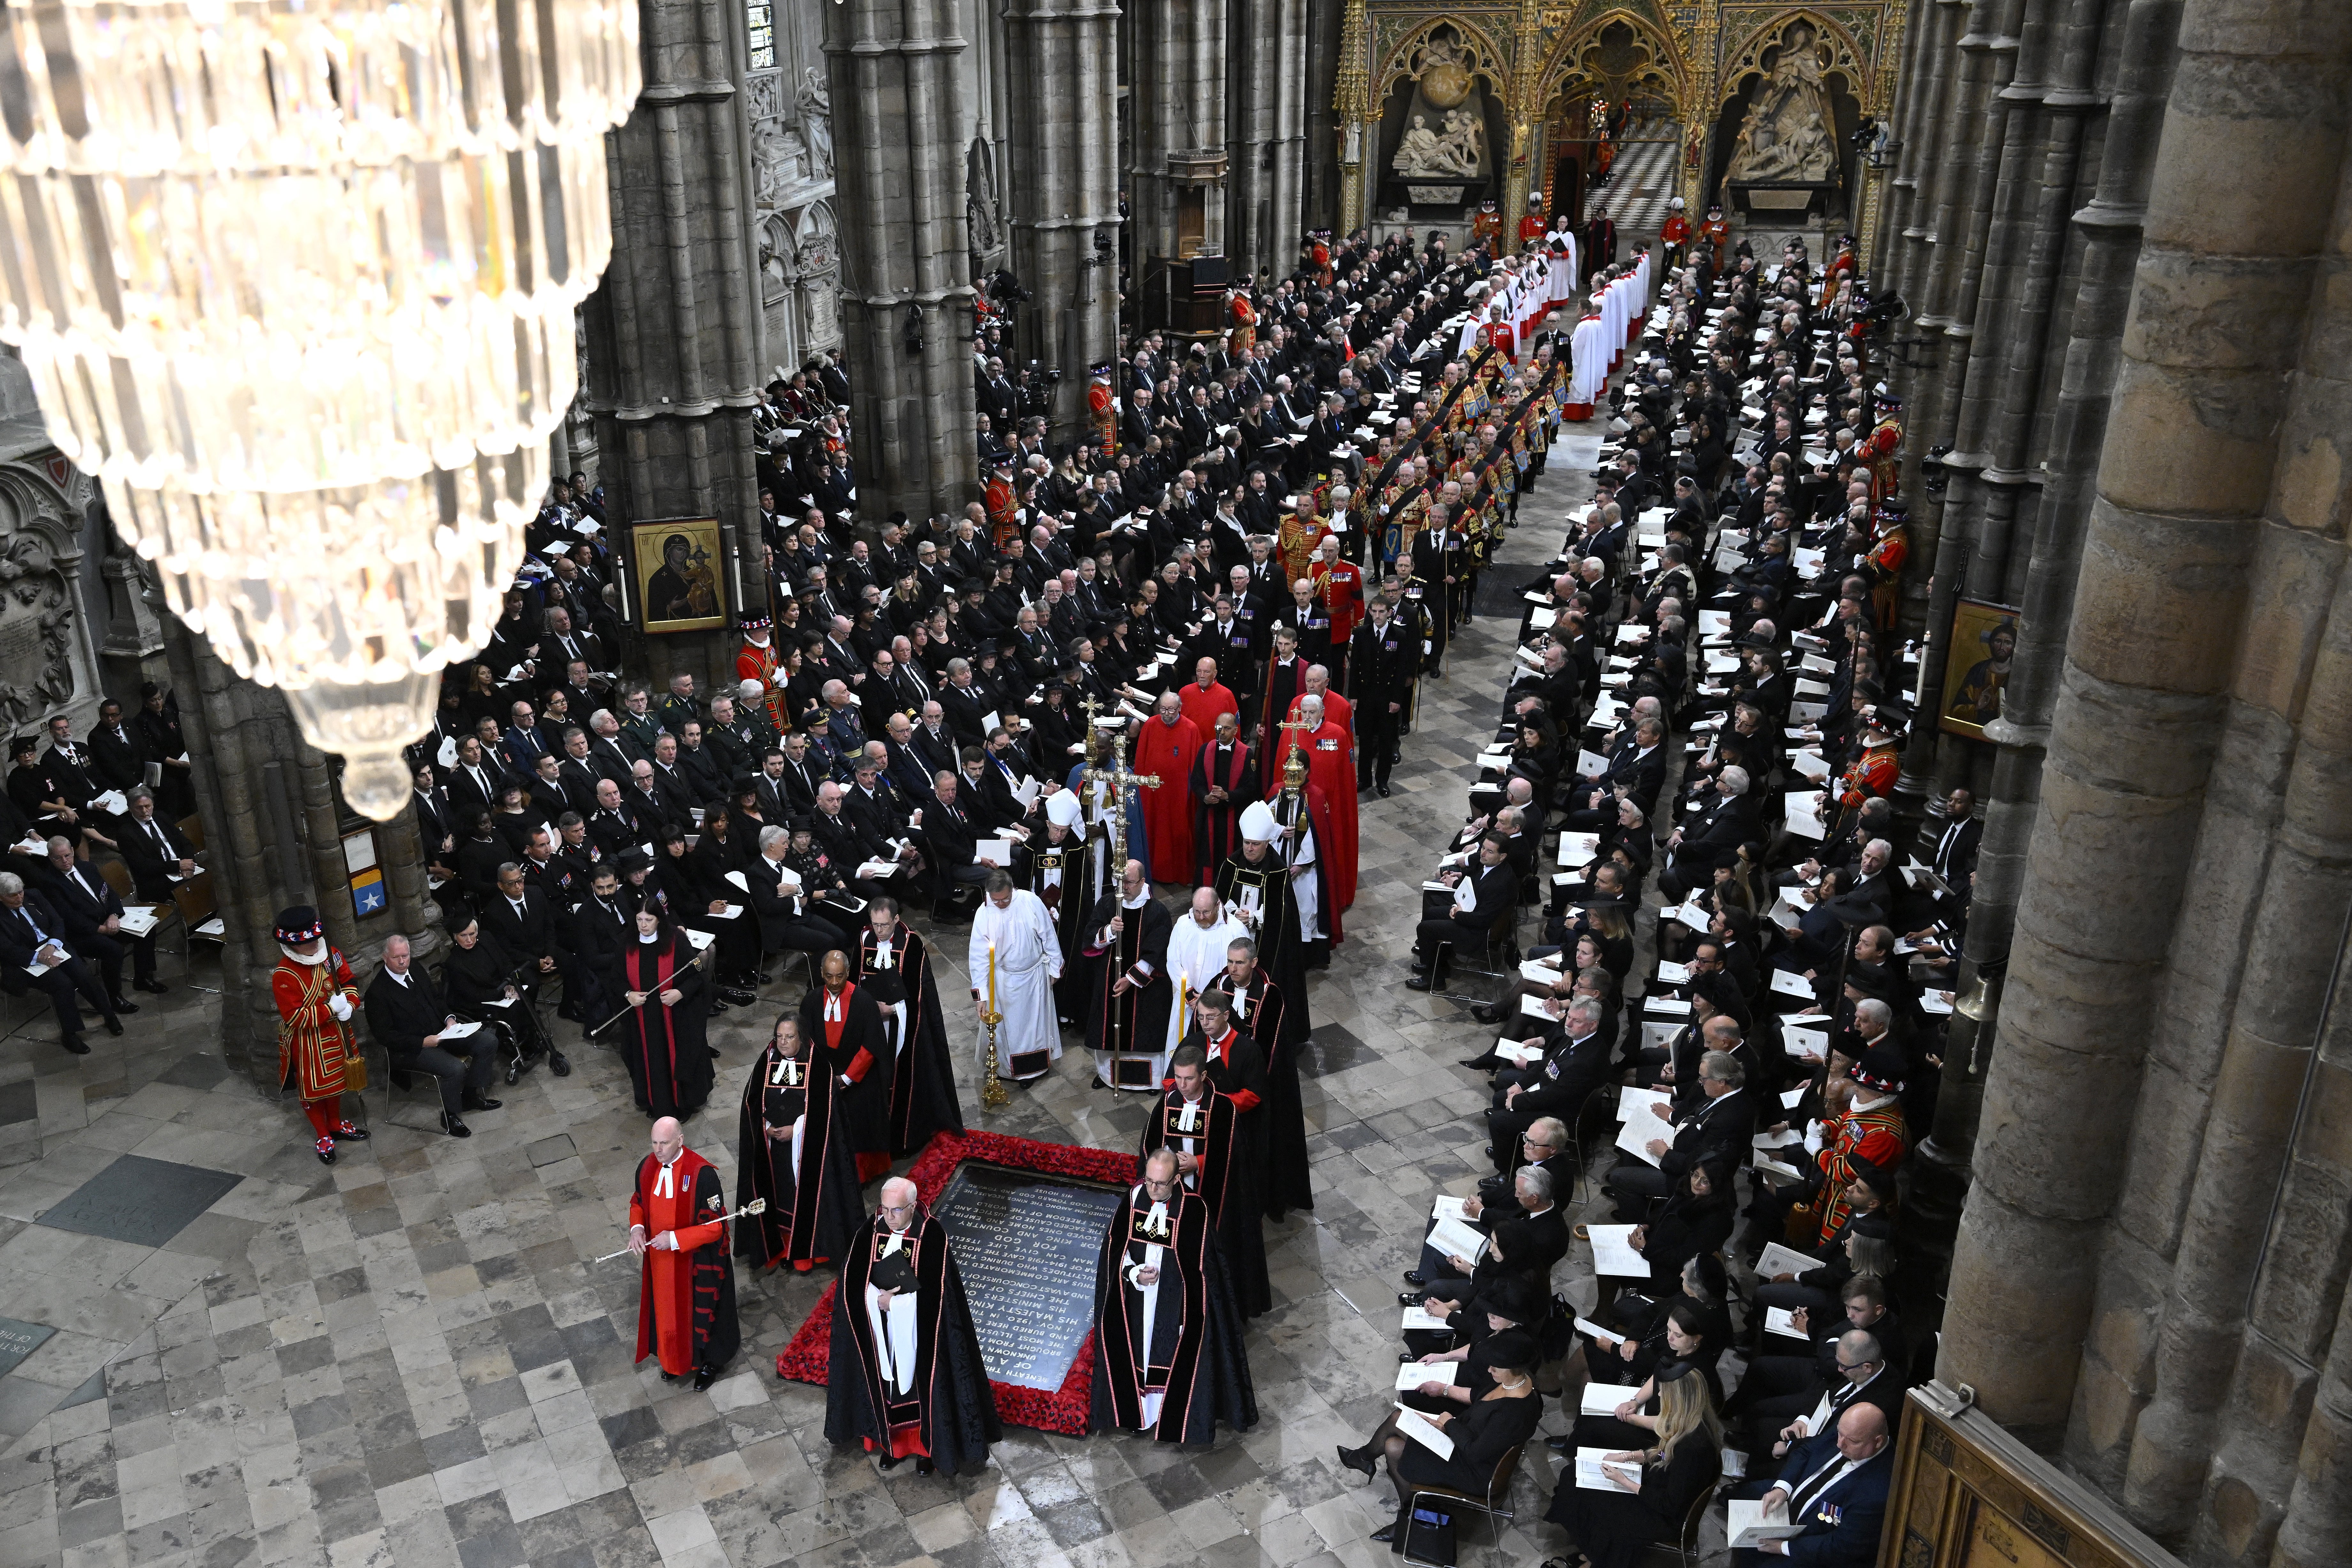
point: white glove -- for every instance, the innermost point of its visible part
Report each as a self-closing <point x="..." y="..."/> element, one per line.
<point x="339" y="1005"/>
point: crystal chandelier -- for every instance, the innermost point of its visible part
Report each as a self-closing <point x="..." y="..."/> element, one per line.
<point x="295" y="283"/>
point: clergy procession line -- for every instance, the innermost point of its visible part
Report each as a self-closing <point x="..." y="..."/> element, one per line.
<point x="1059" y="802"/>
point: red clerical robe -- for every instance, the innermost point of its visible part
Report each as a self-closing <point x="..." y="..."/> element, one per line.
<point x="1202" y="706"/>
<point x="1332" y="768"/>
<point x="1166" y="751"/>
<point x="671" y="1323"/>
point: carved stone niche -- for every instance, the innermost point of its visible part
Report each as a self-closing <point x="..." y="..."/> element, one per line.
<point x="47" y="663"/>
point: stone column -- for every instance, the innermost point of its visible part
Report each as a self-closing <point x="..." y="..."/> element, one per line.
<point x="1324" y="24"/>
<point x="674" y="333"/>
<point x="2223" y="276"/>
<point x="1267" y="132"/>
<point x="1924" y="149"/>
<point x="2109" y="227"/>
<point x="899" y="123"/>
<point x="1062" y="66"/>
<point x="1904" y="124"/>
<point x="1176" y="77"/>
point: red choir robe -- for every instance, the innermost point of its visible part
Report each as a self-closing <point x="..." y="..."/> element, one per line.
<point x="1202" y="706"/>
<point x="686" y="1307"/>
<point x="1331" y="769"/>
<point x="1166" y="751"/>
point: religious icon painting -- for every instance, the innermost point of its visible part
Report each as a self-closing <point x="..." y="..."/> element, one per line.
<point x="676" y="569"/>
<point x="1976" y="666"/>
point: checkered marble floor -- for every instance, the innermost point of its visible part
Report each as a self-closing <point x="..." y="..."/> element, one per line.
<point x="408" y="1358"/>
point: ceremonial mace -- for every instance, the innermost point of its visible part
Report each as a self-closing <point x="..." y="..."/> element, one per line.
<point x="994" y="1095"/>
<point x="757" y="1205"/>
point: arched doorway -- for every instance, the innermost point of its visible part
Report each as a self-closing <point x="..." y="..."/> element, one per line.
<point x="1616" y="132"/>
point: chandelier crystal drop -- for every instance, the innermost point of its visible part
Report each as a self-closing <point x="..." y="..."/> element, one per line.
<point x="295" y="283"/>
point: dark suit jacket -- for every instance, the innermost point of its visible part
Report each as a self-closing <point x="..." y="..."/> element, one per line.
<point x="1843" y="1523"/>
<point x="118" y="762"/>
<point x="536" y="933"/>
<point x="400" y="1016"/>
<point x="150" y="872"/>
<point x="17" y="945"/>
<point x="83" y="910"/>
<point x="1724" y="1127"/>
<point x="951" y="834"/>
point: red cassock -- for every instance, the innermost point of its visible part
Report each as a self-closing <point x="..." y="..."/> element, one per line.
<point x="1166" y="751"/>
<point x="1336" y="709"/>
<point x="678" y="1200"/>
<point x="1332" y="768"/>
<point x="1202" y="706"/>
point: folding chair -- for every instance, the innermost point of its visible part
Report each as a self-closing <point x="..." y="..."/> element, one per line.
<point x="1494" y="1502"/>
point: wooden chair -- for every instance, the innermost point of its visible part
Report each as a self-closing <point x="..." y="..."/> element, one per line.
<point x="1494" y="1502"/>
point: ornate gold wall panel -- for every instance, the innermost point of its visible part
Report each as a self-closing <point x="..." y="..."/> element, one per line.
<point x="1695" y="55"/>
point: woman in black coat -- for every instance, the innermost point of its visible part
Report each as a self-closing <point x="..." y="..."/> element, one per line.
<point x="1658" y="1480"/>
<point x="696" y="895"/>
<point x="1458" y="1378"/>
<point x="478" y="979"/>
<point x="1493" y="1424"/>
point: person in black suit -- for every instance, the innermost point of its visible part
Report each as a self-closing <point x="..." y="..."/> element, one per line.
<point x="157" y="851"/>
<point x="1722" y="1128"/>
<point x="1639" y="767"/>
<point x="32" y="932"/>
<point x="118" y="756"/>
<point x="779" y="902"/>
<point x="1526" y="1243"/>
<point x="93" y="917"/>
<point x="1836" y="1484"/>
<point x="408" y="1018"/>
<point x="951" y="842"/>
<point x="1486" y="894"/>
<point x="1575" y="1065"/>
<point x="1712" y="838"/>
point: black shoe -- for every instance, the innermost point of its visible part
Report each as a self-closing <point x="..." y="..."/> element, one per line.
<point x="1489" y="1153"/>
<point x="326" y="1148"/>
<point x="1381" y="790"/>
<point x="717" y="1006"/>
<point x="1408" y="1299"/>
<point x="1386" y="1534"/>
<point x="157" y="987"/>
<point x="1486" y="1015"/>
<point x="559" y="1064"/>
<point x="1404" y="1356"/>
<point x="120" y="1006"/>
<point x="1558" y="1445"/>
<point x="669" y="1377"/>
<point x="1481" y="1064"/>
<point x="75" y="1044"/>
<point x="763" y="977"/>
<point x="476" y="1101"/>
<point x="347" y="1133"/>
<point x="113" y="1025"/>
<point x="1412" y="1277"/>
<point x="737" y="998"/>
<point x="1356" y="1459"/>
<point x="713" y="1050"/>
<point x="923" y="1467"/>
<point x="455" y="1126"/>
<point x="1418" y="983"/>
<point x="704" y="1377"/>
<point x="887" y="1461"/>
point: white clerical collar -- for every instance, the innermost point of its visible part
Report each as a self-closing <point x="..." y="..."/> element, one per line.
<point x="1134" y="903"/>
<point x="666" y="1184"/>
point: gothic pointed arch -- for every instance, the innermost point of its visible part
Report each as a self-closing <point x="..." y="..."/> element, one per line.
<point x="1619" y="49"/>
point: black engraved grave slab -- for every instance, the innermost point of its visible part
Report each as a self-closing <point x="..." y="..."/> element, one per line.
<point x="19" y="1340"/>
<point x="143" y="1201"/>
<point x="1025" y="1243"/>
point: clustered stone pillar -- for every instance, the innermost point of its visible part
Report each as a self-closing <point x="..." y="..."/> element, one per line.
<point x="900" y="120"/>
<point x="2109" y="229"/>
<point x="2087" y="1281"/>
<point x="1267" y="135"/>
<point x="1176" y="70"/>
<point x="1062" y="62"/>
<point x="674" y="331"/>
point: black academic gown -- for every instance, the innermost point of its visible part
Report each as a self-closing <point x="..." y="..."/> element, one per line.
<point x="862" y="1054"/>
<point x="922" y="1076"/>
<point x="812" y="1209"/>
<point x="1286" y="1179"/>
<point x="1282" y="957"/>
<point x="1216" y="828"/>
<point x="667" y="1049"/>
<point x="1227" y="1182"/>
<point x="1195" y="1350"/>
<point x="1136" y="1019"/>
<point x="949" y="1413"/>
<point x="1033" y="864"/>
